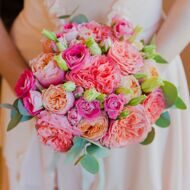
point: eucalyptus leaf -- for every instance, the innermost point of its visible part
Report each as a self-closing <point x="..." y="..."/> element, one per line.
<point x="164" y="120"/>
<point x="180" y="104"/>
<point x="64" y="16"/>
<point x="78" y="146"/>
<point x="14" y="121"/>
<point x="97" y="151"/>
<point x="79" y="19"/>
<point x="90" y="163"/>
<point x="22" y="109"/>
<point x="150" y="137"/>
<point x="26" y="118"/>
<point x="159" y="59"/>
<point x="170" y="93"/>
<point x="8" y="106"/>
<point x="137" y="100"/>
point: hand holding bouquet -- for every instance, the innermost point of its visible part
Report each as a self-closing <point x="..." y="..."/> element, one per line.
<point x="94" y="88"/>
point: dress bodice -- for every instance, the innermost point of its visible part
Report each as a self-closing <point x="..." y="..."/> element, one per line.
<point x="40" y="14"/>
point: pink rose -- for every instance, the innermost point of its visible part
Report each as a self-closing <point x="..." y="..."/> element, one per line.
<point x="154" y="105"/>
<point x="93" y="129"/>
<point x="127" y="57"/>
<point x="57" y="100"/>
<point x="73" y="117"/>
<point x="46" y="70"/>
<point x="76" y="56"/>
<point x="114" y="104"/>
<point x="33" y="102"/>
<point x="130" y="130"/>
<point x="122" y="27"/>
<point x="25" y="83"/>
<point x="54" y="131"/>
<point x="78" y="92"/>
<point x="70" y="31"/>
<point x="88" y="110"/>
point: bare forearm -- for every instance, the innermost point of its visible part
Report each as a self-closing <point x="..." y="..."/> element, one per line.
<point x="174" y="34"/>
<point x="11" y="63"/>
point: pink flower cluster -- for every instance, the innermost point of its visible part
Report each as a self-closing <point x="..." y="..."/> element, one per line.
<point x="83" y="83"/>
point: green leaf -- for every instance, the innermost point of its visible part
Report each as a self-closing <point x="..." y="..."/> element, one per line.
<point x="50" y="35"/>
<point x="64" y="16"/>
<point x="164" y="120"/>
<point x="97" y="151"/>
<point x="137" y="100"/>
<point x="90" y="163"/>
<point x="8" y="106"/>
<point x="170" y="93"/>
<point x="150" y="137"/>
<point x="151" y="84"/>
<point x="22" y="109"/>
<point x="14" y="121"/>
<point x="26" y="118"/>
<point x="159" y="59"/>
<point x="79" y="19"/>
<point x="180" y="104"/>
<point x="140" y="76"/>
<point x="78" y="146"/>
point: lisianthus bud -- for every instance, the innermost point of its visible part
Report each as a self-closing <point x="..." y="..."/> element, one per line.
<point x="50" y="35"/>
<point x="69" y="86"/>
<point x="151" y="84"/>
<point x="61" y="44"/>
<point x="61" y="62"/>
<point x="93" y="46"/>
<point x="91" y="94"/>
<point x="106" y="44"/>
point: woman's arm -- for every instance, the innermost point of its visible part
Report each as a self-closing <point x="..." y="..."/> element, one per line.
<point x="11" y="62"/>
<point x="174" y="34"/>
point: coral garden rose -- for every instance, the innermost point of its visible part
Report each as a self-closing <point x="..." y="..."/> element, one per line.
<point x="127" y="57"/>
<point x="57" y="100"/>
<point x="130" y="130"/>
<point x="154" y="105"/>
<point x="76" y="56"/>
<point x="93" y="129"/>
<point x="131" y="85"/>
<point x="101" y="73"/>
<point x="25" y="83"/>
<point x="88" y="110"/>
<point x="46" y="70"/>
<point x="122" y="27"/>
<point x="149" y="68"/>
<point x="53" y="130"/>
<point x="114" y="104"/>
<point x="33" y="102"/>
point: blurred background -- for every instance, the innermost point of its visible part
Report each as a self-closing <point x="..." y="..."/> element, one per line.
<point x="186" y="59"/>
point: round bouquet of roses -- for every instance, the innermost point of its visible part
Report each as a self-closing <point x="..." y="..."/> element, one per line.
<point x="94" y="88"/>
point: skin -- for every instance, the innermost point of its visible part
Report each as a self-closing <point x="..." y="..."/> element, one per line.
<point x="172" y="38"/>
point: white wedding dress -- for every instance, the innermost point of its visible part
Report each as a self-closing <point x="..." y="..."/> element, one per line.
<point x="163" y="165"/>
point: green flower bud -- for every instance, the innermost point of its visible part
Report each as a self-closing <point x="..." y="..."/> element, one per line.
<point x="93" y="46"/>
<point x="69" y="86"/>
<point x="61" y="46"/>
<point x="50" y="35"/>
<point x="61" y="62"/>
<point x="91" y="94"/>
<point x="101" y="97"/>
<point x="124" y="91"/>
<point x="124" y="114"/>
<point x="151" y="84"/>
<point x="137" y="100"/>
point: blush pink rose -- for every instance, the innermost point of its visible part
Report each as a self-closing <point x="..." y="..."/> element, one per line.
<point x="54" y="131"/>
<point x="114" y="104"/>
<point x="154" y="105"/>
<point x="70" y="31"/>
<point x="57" y="100"/>
<point x="93" y="129"/>
<point x="25" y="83"/>
<point x="88" y="110"/>
<point x="33" y="102"/>
<point x="130" y="130"/>
<point x="46" y="70"/>
<point x="122" y="27"/>
<point x="74" y="117"/>
<point x="127" y="57"/>
<point x="76" y="56"/>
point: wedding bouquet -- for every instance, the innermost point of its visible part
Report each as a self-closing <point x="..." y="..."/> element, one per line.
<point x="94" y="88"/>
